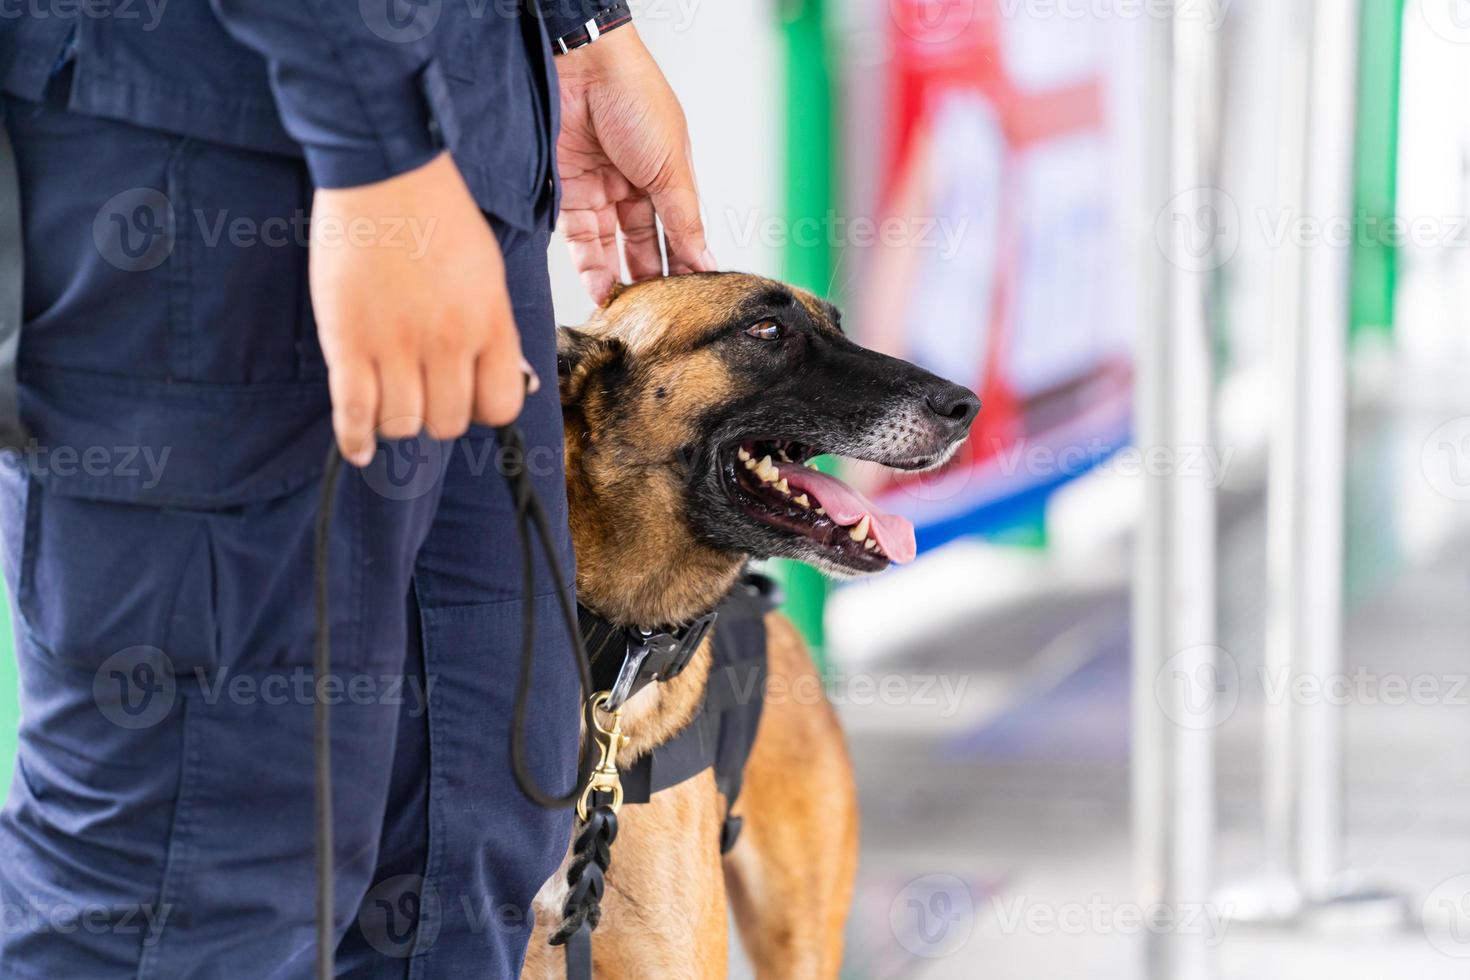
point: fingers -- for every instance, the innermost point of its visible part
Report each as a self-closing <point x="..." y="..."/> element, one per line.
<point x="676" y="200"/>
<point x="449" y="395"/>
<point x="353" y="384"/>
<point x="640" y="238"/>
<point x="400" y="397"/>
<point x="500" y="388"/>
<point x="594" y="263"/>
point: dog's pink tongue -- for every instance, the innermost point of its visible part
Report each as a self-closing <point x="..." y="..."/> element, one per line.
<point x="894" y="534"/>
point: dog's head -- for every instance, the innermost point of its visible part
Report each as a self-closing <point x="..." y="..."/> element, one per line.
<point x="693" y="403"/>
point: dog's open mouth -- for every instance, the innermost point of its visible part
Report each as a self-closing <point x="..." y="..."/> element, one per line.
<point x="771" y="481"/>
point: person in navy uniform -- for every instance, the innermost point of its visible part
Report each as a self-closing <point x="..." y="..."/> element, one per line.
<point x="251" y="227"/>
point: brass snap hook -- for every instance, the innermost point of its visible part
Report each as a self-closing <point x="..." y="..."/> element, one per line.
<point x="610" y="741"/>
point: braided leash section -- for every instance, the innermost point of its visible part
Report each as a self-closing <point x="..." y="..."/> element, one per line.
<point x="591" y="855"/>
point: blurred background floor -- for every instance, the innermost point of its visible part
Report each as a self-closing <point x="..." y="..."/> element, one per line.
<point x="996" y="839"/>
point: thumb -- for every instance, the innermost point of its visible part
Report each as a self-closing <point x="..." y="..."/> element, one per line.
<point x="676" y="202"/>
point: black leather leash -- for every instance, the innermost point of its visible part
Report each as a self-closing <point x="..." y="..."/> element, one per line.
<point x="12" y="285"/>
<point x="529" y="517"/>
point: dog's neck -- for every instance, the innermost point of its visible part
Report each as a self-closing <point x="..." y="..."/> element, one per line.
<point x="637" y="562"/>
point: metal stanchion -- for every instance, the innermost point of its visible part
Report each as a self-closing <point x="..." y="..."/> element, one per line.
<point x="1322" y="441"/>
<point x="1302" y="760"/>
<point x="1174" y="668"/>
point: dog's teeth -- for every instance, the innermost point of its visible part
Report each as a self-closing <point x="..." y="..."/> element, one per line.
<point x="822" y="511"/>
<point x="861" y="531"/>
<point x="803" y="499"/>
<point x="810" y="465"/>
<point x="744" y="456"/>
<point x="870" y="544"/>
<point x="784" y="457"/>
<point x="766" y="471"/>
<point x="784" y="487"/>
<point x="750" y="464"/>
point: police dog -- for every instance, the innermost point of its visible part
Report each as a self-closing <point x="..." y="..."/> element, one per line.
<point x="691" y="404"/>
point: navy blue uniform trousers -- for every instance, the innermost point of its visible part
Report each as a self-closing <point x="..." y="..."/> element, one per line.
<point x="157" y="549"/>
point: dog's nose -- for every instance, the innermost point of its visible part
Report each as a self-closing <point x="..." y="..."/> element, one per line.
<point x="955" y="404"/>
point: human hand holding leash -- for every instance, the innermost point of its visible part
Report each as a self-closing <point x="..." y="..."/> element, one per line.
<point x="624" y="160"/>
<point x="414" y="338"/>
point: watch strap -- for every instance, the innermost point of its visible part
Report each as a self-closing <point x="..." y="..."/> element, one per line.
<point x="593" y="28"/>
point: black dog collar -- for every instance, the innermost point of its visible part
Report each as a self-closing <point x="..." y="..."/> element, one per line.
<point x="626" y="659"/>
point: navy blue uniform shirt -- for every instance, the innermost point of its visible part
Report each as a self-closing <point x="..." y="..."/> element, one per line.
<point x="364" y="89"/>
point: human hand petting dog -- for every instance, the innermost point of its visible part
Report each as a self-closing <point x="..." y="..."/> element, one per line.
<point x="413" y="340"/>
<point x="624" y="159"/>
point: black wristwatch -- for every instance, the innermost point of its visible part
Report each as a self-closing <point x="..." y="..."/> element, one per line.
<point x="589" y="31"/>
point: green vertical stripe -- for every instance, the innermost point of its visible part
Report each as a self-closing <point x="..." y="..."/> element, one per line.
<point x="1375" y="258"/>
<point x="810" y="194"/>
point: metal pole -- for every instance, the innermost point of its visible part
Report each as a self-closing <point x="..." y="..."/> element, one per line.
<point x="1322" y="443"/>
<point x="1302" y="757"/>
<point x="1175" y="679"/>
<point x="1278" y="895"/>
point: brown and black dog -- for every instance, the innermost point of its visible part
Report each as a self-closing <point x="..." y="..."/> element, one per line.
<point x="692" y="404"/>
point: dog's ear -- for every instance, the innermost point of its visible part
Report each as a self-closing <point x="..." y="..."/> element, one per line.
<point x="581" y="355"/>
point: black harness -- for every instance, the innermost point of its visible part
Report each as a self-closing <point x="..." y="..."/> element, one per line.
<point x="720" y="735"/>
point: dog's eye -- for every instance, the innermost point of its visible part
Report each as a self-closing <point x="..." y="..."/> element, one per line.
<point x="766" y="330"/>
